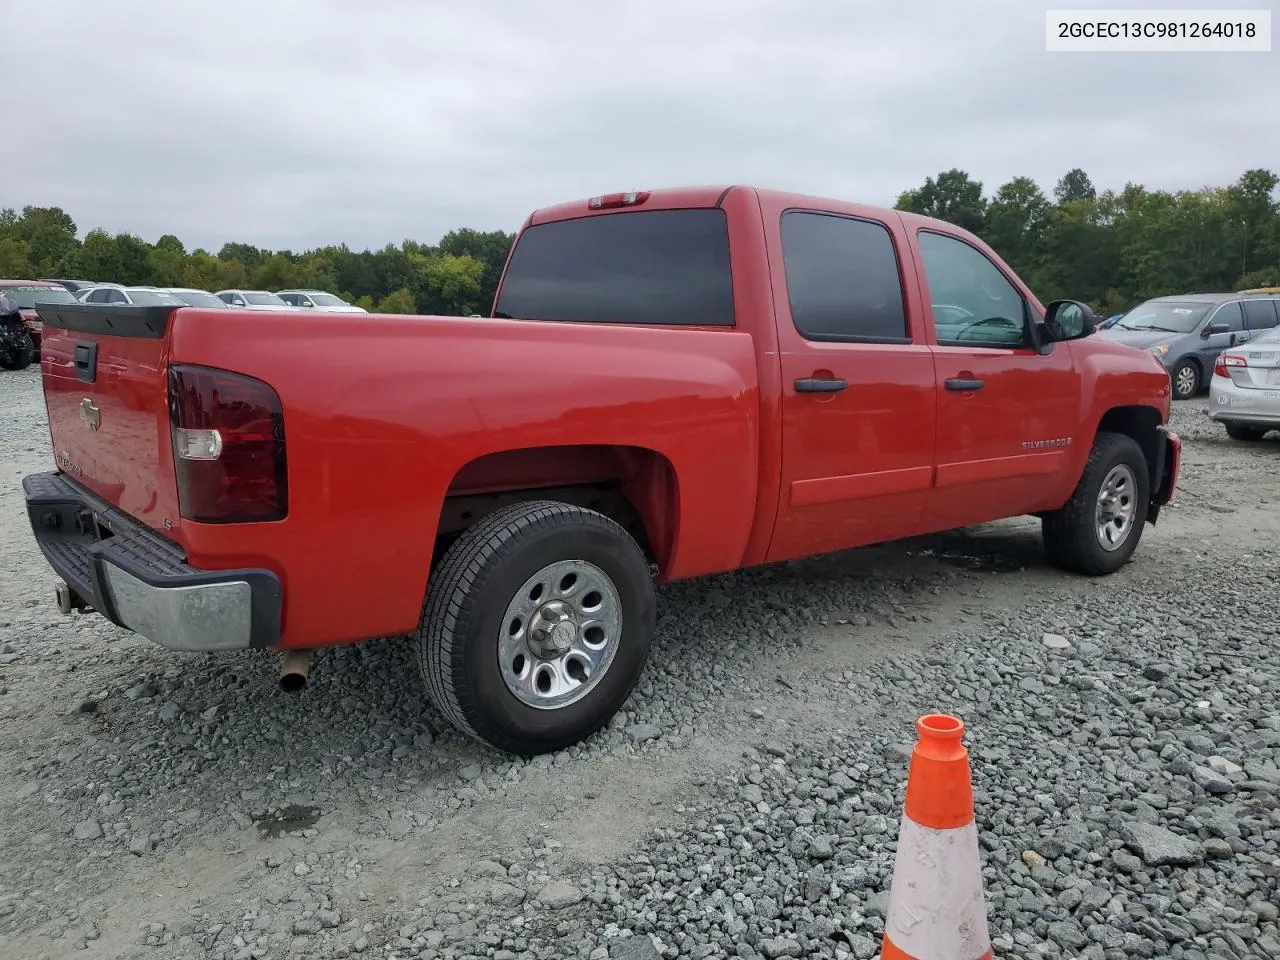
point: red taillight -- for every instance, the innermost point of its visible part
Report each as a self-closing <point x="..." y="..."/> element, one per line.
<point x="1227" y="360"/>
<point x="618" y="200"/>
<point x="228" y="446"/>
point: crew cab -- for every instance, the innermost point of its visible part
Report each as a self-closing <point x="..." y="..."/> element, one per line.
<point x="670" y="384"/>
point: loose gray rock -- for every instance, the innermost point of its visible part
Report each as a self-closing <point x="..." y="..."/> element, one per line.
<point x="88" y="830"/>
<point x="640" y="732"/>
<point x="1158" y="847"/>
<point x="639" y="947"/>
<point x="1212" y="782"/>
<point x="558" y="894"/>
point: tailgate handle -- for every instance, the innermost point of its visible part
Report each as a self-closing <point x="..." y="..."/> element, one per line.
<point x="87" y="360"/>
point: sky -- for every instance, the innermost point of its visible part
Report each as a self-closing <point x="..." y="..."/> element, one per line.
<point x="291" y="124"/>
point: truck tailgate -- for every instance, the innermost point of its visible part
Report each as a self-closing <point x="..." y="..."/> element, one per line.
<point x="105" y="389"/>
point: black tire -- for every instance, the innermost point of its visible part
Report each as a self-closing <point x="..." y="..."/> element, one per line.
<point x="1186" y="379"/>
<point x="1071" y="537"/>
<point x="22" y="354"/>
<point x="1242" y="431"/>
<point x="466" y="605"/>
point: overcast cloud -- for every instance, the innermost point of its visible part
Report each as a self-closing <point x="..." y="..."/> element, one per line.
<point x="296" y="123"/>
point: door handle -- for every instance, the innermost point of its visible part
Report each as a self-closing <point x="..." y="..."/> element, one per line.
<point x="820" y="385"/>
<point x="959" y="383"/>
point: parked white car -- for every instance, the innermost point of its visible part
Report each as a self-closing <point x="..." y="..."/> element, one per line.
<point x="253" y="300"/>
<point x="198" y="298"/>
<point x="318" y="300"/>
<point x="117" y="294"/>
<point x="1244" y="394"/>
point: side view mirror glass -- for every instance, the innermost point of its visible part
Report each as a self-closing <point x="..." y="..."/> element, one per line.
<point x="1215" y="328"/>
<point x="1069" y="320"/>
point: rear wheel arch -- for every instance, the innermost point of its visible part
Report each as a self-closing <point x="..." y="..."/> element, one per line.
<point x="636" y="487"/>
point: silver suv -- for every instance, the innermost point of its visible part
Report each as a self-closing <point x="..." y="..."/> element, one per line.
<point x="1186" y="333"/>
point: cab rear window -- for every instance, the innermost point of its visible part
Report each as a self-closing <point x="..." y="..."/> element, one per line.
<point x="668" y="267"/>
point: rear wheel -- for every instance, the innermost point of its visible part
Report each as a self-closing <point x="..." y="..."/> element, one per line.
<point x="1242" y="431"/>
<point x="1186" y="379"/>
<point x="22" y="352"/>
<point x="1098" y="529"/>
<point x="537" y="625"/>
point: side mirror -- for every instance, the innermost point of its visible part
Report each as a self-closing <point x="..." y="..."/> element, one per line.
<point x="1215" y="328"/>
<point x="1069" y="320"/>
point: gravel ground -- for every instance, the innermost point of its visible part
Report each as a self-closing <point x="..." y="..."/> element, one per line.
<point x="1125" y="736"/>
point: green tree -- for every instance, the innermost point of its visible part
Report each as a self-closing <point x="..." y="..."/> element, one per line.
<point x="397" y="301"/>
<point x="1074" y="186"/>
<point x="1015" y="222"/>
<point x="276" y="272"/>
<point x="954" y="197"/>
<point x="14" y="262"/>
<point x="169" y="261"/>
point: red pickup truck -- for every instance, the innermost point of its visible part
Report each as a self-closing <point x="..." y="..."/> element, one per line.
<point x="672" y="384"/>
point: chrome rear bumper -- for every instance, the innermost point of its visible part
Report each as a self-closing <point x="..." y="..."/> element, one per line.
<point x="142" y="582"/>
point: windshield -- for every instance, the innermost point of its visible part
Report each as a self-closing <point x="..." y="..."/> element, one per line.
<point x="1166" y="317"/>
<point x="327" y="300"/>
<point x="28" y="297"/>
<point x="153" y="298"/>
<point x="265" y="300"/>
<point x="198" y="298"/>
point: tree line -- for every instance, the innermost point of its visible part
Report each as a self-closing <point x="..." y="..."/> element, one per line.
<point x="1111" y="249"/>
<point x="457" y="275"/>
<point x="1115" y="249"/>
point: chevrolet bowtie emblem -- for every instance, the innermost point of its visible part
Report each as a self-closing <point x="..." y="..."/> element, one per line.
<point x="90" y="414"/>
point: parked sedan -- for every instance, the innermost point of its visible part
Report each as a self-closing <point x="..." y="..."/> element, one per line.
<point x="1244" y="394"/>
<point x="75" y="286"/>
<point x="198" y="298"/>
<point x="319" y="301"/>
<point x="114" y="294"/>
<point x="253" y="300"/>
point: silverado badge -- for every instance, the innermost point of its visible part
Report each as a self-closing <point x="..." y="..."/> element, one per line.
<point x="90" y="414"/>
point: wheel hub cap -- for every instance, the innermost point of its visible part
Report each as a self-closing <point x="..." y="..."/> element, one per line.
<point x="552" y="630"/>
<point x="1117" y="505"/>
<point x="560" y="634"/>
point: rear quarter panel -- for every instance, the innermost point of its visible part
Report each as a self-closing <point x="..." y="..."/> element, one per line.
<point x="382" y="412"/>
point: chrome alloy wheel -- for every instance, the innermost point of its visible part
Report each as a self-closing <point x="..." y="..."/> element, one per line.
<point x="560" y="634"/>
<point x="1116" y="508"/>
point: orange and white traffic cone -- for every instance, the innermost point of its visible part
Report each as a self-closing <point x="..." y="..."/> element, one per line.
<point x="936" y="907"/>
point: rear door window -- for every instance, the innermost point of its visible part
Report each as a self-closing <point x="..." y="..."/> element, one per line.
<point x="842" y="278"/>
<point x="1260" y="314"/>
<point x="667" y="267"/>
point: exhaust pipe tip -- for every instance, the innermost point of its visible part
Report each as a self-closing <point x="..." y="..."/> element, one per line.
<point x="293" y="682"/>
<point x="294" y="667"/>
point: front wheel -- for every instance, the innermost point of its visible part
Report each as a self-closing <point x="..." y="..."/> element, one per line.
<point x="537" y="625"/>
<point x="1242" y="431"/>
<point x="1098" y="529"/>
<point x="18" y="352"/>
<point x="1186" y="380"/>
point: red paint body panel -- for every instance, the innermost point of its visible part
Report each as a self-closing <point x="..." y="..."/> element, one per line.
<point x="373" y="450"/>
<point x="387" y="416"/>
<point x="128" y="461"/>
